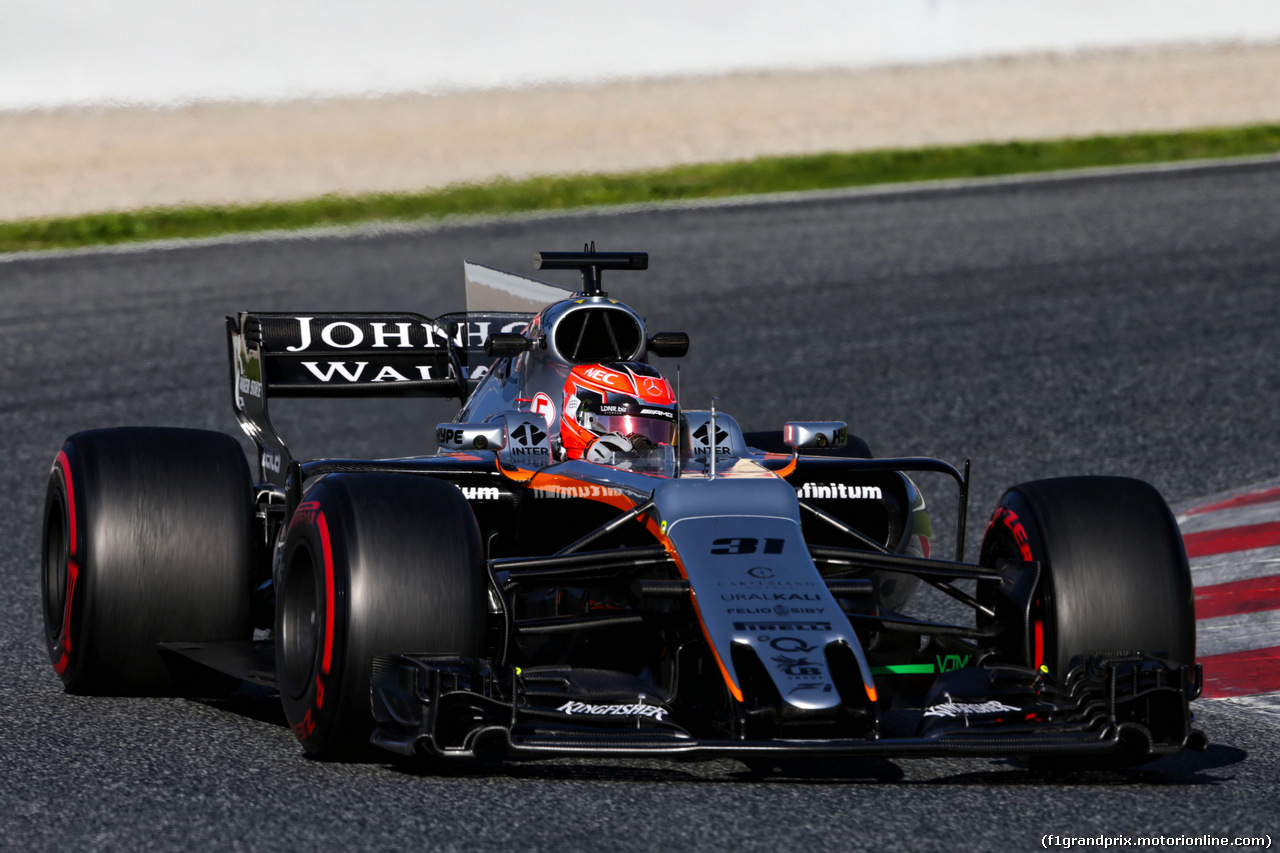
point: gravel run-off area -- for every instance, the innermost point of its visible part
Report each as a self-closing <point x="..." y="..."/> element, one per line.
<point x="72" y="161"/>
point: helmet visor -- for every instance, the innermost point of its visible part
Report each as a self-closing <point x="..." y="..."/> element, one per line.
<point x="657" y="431"/>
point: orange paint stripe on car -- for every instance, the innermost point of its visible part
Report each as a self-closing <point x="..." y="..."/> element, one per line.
<point x="519" y="475"/>
<point x="662" y="537"/>
<point x="583" y="489"/>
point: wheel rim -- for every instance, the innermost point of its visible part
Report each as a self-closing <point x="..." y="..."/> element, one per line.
<point x="299" y="623"/>
<point x="1004" y="544"/>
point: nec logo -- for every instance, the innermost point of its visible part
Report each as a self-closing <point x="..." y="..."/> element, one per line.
<point x="602" y="376"/>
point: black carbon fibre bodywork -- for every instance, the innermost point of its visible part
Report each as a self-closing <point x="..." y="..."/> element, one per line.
<point x="458" y="708"/>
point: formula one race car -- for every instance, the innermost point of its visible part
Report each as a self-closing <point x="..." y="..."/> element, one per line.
<point x="585" y="568"/>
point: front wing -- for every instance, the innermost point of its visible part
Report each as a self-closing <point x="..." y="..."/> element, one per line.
<point x="458" y="707"/>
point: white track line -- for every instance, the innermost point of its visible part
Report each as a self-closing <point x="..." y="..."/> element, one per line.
<point x="1235" y="566"/>
<point x="1234" y="517"/>
<point x="1244" y="631"/>
<point x="1237" y="633"/>
<point x="1186" y="510"/>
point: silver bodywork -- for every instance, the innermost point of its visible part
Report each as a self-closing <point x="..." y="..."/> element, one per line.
<point x="732" y="524"/>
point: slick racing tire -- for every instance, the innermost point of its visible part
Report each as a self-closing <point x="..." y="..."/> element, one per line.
<point x="1114" y="569"/>
<point x="372" y="564"/>
<point x="770" y="441"/>
<point x="146" y="539"/>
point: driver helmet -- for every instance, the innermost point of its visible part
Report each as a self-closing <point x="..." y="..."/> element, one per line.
<point x="627" y="398"/>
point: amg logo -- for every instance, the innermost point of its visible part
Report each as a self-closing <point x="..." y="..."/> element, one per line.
<point x="480" y="493"/>
<point x="839" y="491"/>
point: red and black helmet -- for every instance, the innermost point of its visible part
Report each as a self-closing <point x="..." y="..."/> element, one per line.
<point x="628" y="398"/>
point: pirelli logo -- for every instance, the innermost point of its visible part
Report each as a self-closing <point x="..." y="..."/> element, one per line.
<point x="782" y="626"/>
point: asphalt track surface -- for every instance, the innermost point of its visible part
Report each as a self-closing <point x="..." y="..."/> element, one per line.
<point x="1122" y="325"/>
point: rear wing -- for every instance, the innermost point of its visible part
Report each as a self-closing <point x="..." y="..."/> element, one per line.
<point x="356" y="354"/>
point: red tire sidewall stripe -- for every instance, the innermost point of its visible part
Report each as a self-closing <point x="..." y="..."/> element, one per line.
<point x="1008" y="519"/>
<point x="1038" y="654"/>
<point x="306" y="727"/>
<point x="65" y="465"/>
<point x="326" y="548"/>
<point x="63" y="647"/>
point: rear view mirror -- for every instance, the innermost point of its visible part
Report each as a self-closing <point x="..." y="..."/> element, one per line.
<point x="505" y="344"/>
<point x="669" y="344"/>
<point x="807" y="435"/>
<point x="486" y="436"/>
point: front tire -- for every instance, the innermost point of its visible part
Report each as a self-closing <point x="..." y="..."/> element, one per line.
<point x="372" y="564"/>
<point x="1114" y="568"/>
<point x="146" y="539"/>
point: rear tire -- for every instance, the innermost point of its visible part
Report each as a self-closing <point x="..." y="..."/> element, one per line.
<point x="146" y="540"/>
<point x="1114" y="568"/>
<point x="372" y="564"/>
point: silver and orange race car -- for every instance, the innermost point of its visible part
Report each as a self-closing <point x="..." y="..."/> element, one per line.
<point x="585" y="567"/>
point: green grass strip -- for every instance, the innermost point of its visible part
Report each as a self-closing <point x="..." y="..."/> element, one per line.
<point x="699" y="181"/>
